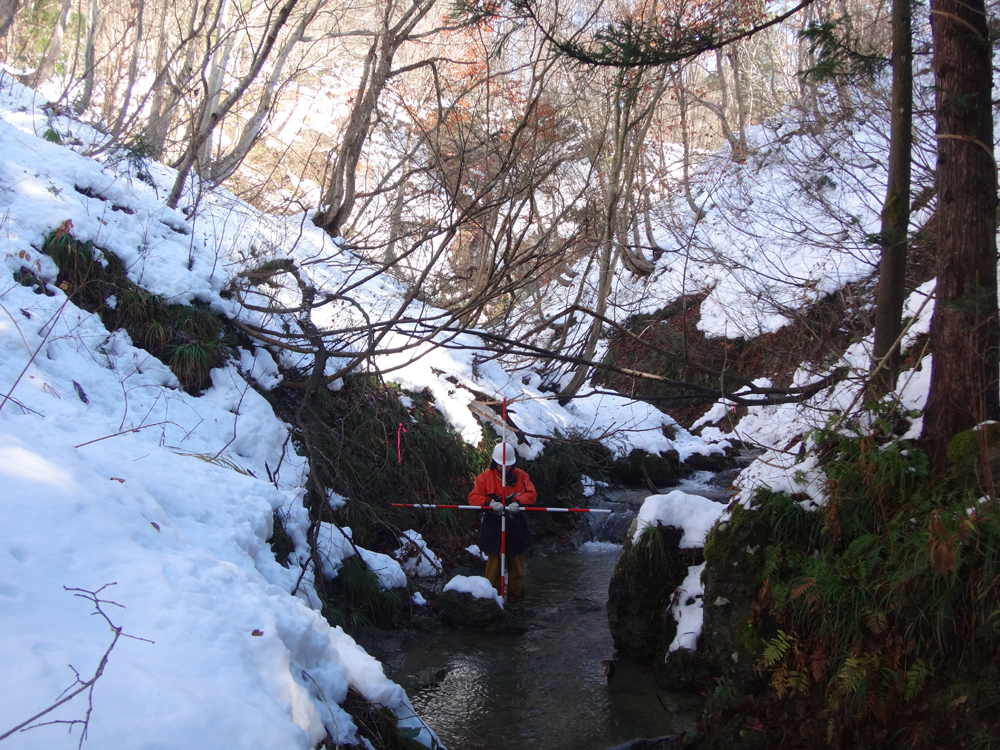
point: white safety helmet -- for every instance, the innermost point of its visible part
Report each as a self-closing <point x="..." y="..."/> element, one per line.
<point x="498" y="454"/>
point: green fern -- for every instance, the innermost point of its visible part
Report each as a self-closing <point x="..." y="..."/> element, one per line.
<point x="775" y="650"/>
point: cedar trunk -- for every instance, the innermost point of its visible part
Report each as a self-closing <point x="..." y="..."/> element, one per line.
<point x="964" y="333"/>
<point x="896" y="209"/>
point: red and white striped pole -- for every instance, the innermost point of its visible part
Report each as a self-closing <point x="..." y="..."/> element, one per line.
<point x="527" y="508"/>
<point x="503" y="500"/>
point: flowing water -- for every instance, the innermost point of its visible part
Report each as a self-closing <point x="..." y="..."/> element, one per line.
<point x="547" y="687"/>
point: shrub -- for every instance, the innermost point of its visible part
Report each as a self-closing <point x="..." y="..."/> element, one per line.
<point x="881" y="609"/>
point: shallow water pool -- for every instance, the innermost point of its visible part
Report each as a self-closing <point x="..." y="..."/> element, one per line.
<point x="547" y="687"/>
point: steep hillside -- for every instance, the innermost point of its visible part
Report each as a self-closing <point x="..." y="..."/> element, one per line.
<point x="143" y="465"/>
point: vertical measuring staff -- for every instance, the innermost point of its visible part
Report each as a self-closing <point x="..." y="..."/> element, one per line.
<point x="503" y="513"/>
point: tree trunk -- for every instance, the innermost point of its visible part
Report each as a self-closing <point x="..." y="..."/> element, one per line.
<point x="201" y="135"/>
<point x="133" y="67"/>
<point x="739" y="93"/>
<point x="686" y="146"/>
<point x="8" y="9"/>
<point x="54" y="50"/>
<point x="213" y="87"/>
<point x="896" y="209"/>
<point x="89" y="57"/>
<point x="339" y="197"/>
<point x="251" y="132"/>
<point x="396" y="217"/>
<point x="158" y="124"/>
<point x="340" y="189"/>
<point x="629" y="137"/>
<point x="964" y="332"/>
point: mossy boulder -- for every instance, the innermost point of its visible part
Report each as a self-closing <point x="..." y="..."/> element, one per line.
<point x="712" y="462"/>
<point x="734" y="557"/>
<point x="642" y="588"/>
<point x="640" y="469"/>
<point x="462" y="610"/>
<point x="965" y="453"/>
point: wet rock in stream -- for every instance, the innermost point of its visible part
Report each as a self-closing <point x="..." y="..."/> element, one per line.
<point x="712" y="462"/>
<point x="464" y="611"/>
<point x="673" y="742"/>
<point x="615" y="527"/>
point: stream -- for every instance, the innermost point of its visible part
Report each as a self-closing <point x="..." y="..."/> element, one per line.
<point x="545" y="688"/>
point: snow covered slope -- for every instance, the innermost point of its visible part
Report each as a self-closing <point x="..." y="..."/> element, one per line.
<point x="111" y="474"/>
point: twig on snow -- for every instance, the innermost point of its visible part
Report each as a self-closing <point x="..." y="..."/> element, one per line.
<point x="80" y="685"/>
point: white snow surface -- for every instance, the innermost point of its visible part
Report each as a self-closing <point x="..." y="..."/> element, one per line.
<point x="417" y="559"/>
<point x="693" y="513"/>
<point x="473" y="549"/>
<point x="111" y="474"/>
<point x="688" y="610"/>
<point x="477" y="586"/>
<point x="336" y="545"/>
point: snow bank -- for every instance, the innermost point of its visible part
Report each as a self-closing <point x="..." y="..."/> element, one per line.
<point x="688" y="610"/>
<point x="417" y="559"/>
<point x="335" y="545"/>
<point x="693" y="513"/>
<point x="113" y="475"/>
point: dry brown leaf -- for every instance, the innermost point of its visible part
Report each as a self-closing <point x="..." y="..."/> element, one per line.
<point x="257" y="632"/>
<point x="832" y="522"/>
<point x="943" y="557"/>
<point x="764" y="595"/>
<point x="799" y="591"/>
<point x="117" y="479"/>
<point x="817" y="663"/>
<point x="155" y="525"/>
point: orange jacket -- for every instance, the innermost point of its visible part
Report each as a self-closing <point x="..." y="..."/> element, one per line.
<point x="488" y="483"/>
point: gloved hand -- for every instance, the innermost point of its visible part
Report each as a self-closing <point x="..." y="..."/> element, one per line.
<point x="496" y="505"/>
<point x="514" y="507"/>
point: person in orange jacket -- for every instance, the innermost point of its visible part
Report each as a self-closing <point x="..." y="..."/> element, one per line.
<point x="490" y="490"/>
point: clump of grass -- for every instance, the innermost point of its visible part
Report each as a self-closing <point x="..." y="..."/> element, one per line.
<point x="647" y="552"/>
<point x="355" y="599"/>
<point x="280" y="543"/>
<point x="76" y="260"/>
<point x="196" y="344"/>
<point x="190" y="339"/>
<point x="132" y="158"/>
